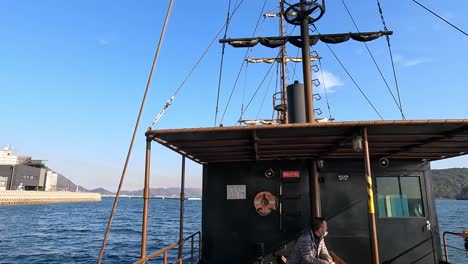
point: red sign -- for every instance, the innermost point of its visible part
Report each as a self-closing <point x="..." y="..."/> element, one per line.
<point x="291" y="174"/>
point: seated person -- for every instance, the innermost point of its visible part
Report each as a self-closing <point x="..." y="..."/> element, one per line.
<point x="310" y="246"/>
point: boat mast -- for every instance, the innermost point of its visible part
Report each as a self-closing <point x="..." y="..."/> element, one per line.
<point x="283" y="64"/>
<point x="309" y="102"/>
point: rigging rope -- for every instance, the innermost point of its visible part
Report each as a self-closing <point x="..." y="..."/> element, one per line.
<point x="242" y="64"/>
<point x="191" y="70"/>
<point x="294" y="66"/>
<point x="276" y="90"/>
<point x="266" y="92"/>
<point x="245" y="87"/>
<point x="443" y="19"/>
<point x="391" y="58"/>
<point x="222" y="62"/>
<point x="135" y="130"/>
<point x="352" y="79"/>
<point x="373" y="58"/>
<point x="258" y="88"/>
<point x="325" y="88"/>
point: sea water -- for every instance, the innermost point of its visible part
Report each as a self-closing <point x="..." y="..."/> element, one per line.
<point x="73" y="232"/>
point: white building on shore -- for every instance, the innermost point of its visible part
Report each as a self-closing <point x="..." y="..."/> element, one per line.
<point x="51" y="181"/>
<point x="7" y="157"/>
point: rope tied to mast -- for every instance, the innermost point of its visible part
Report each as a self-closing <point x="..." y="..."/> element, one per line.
<point x="228" y="20"/>
<point x="391" y="59"/>
<point x="169" y="102"/>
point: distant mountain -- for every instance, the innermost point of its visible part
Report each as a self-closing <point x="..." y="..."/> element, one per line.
<point x="101" y="191"/>
<point x="450" y="183"/>
<point x="64" y="184"/>
<point x="167" y="192"/>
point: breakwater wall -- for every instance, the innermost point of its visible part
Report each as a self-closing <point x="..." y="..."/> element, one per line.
<point x="37" y="197"/>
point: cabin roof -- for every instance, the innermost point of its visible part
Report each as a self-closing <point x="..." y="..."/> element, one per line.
<point x="403" y="139"/>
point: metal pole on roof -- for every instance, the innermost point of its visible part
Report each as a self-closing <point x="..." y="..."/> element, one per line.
<point x="146" y="192"/>
<point x="314" y="187"/>
<point x="309" y="102"/>
<point x="370" y="197"/>
<point x="181" y="218"/>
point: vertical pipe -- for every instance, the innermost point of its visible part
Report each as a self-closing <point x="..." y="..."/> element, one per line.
<point x="181" y="217"/>
<point x="306" y="66"/>
<point x="199" y="247"/>
<point x="314" y="187"/>
<point x="445" y="247"/>
<point x="191" y="250"/>
<point x="370" y="197"/>
<point x="146" y="198"/>
<point x="283" y="65"/>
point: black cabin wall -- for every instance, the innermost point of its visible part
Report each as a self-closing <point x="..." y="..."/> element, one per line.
<point x="344" y="205"/>
<point x="232" y="228"/>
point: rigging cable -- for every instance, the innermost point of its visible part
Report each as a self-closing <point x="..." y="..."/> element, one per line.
<point x="242" y="64"/>
<point x="276" y="90"/>
<point x="443" y="19"/>
<point x="266" y="91"/>
<point x="391" y="57"/>
<point x="352" y="79"/>
<point x="375" y="62"/>
<point x="258" y="88"/>
<point x="222" y="62"/>
<point x="191" y="71"/>
<point x="294" y="67"/>
<point x="325" y="88"/>
<point x="135" y="130"/>
<point x="245" y="87"/>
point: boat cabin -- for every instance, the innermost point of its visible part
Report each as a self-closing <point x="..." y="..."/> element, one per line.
<point x="371" y="181"/>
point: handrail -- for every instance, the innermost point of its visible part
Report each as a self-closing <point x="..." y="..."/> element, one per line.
<point x="463" y="234"/>
<point x="166" y="249"/>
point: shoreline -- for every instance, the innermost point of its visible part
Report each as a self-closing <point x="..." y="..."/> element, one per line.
<point x="42" y="197"/>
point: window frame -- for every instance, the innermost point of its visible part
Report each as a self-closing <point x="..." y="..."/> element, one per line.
<point x="421" y="192"/>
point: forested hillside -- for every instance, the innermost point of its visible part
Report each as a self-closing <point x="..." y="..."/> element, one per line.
<point x="451" y="183"/>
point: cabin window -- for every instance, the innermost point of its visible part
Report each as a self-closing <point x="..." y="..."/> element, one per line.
<point x="399" y="197"/>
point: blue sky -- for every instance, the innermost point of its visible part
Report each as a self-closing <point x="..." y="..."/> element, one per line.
<point x="73" y="73"/>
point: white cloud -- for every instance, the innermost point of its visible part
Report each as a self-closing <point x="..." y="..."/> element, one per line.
<point x="398" y="59"/>
<point x="103" y="42"/>
<point x="414" y="62"/>
<point x="329" y="81"/>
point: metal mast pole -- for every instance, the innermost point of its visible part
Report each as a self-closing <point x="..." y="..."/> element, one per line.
<point x="370" y="194"/>
<point x="283" y="65"/>
<point x="181" y="215"/>
<point x="306" y="65"/>
<point x="146" y="194"/>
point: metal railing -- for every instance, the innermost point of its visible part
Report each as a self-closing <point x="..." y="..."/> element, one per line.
<point x="463" y="234"/>
<point x="164" y="251"/>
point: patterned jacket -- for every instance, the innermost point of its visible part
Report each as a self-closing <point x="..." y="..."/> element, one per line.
<point x="305" y="250"/>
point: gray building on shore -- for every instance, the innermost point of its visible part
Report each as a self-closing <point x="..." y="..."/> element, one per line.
<point x="22" y="177"/>
<point x="21" y="172"/>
